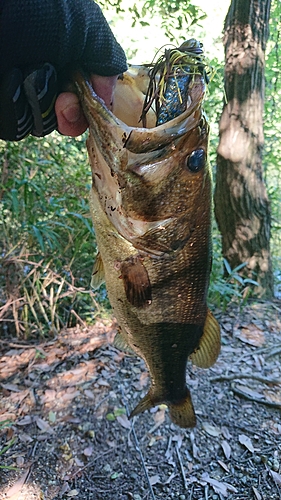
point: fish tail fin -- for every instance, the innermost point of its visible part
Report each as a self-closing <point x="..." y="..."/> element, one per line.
<point x="182" y="413"/>
<point x="145" y="404"/>
<point x="209" y="346"/>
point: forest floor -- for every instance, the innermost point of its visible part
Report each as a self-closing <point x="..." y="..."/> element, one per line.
<point x="64" y="430"/>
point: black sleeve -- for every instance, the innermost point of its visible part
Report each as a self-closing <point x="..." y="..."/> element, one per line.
<point x="41" y="43"/>
<point x="64" y="33"/>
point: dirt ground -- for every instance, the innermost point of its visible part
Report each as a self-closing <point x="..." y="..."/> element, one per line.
<point x="64" y="430"/>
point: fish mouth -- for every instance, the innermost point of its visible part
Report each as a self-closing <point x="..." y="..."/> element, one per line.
<point x="121" y="154"/>
<point x="137" y="139"/>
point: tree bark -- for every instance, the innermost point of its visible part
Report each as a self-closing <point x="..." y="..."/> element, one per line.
<point x="241" y="204"/>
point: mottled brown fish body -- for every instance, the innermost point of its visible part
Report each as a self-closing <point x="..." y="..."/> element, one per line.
<point x="151" y="213"/>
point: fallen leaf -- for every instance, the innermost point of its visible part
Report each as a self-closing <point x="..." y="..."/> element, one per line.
<point x="89" y="394"/>
<point x="16" y="488"/>
<point x="64" y="489"/>
<point x="52" y="417"/>
<point x="251" y="335"/>
<point x="20" y="461"/>
<point x="7" y="417"/>
<point x="218" y="486"/>
<point x="257" y="494"/>
<point x="250" y="392"/>
<point x="159" y="416"/>
<point x="211" y="429"/>
<point x="25" y="438"/>
<point x="11" y="387"/>
<point x="73" y="493"/>
<point x="43" y="425"/>
<point x="276" y="477"/>
<point x="78" y="462"/>
<point x="154" y="480"/>
<point x="102" y="382"/>
<point x="170" y="478"/>
<point x="223" y="465"/>
<point x="195" y="449"/>
<point x="25" y="420"/>
<point x="226" y="449"/>
<point x="246" y="441"/>
<point x="88" y="451"/>
<point x="225" y="432"/>
<point x="178" y="439"/>
<point x="124" y="421"/>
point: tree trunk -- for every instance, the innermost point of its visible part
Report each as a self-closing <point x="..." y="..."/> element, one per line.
<point x="241" y="204"/>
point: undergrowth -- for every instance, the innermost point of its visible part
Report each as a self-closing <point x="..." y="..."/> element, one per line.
<point x="47" y="240"/>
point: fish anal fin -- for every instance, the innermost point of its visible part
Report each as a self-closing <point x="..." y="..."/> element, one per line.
<point x="98" y="273"/>
<point x="136" y="282"/>
<point x="210" y="343"/>
<point x="121" y="343"/>
<point x="182" y="413"/>
<point x="145" y="404"/>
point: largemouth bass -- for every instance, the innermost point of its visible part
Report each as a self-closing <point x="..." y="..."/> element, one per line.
<point x="151" y="208"/>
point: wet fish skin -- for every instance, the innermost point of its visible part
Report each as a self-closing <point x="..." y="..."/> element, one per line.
<point x="151" y="215"/>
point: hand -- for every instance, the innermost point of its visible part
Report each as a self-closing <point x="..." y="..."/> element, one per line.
<point x="41" y="44"/>
<point x="71" y="120"/>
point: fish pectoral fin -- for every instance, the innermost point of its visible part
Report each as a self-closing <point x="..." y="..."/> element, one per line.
<point x="209" y="345"/>
<point x="145" y="404"/>
<point x="136" y="282"/>
<point x="182" y="413"/>
<point x="120" y="343"/>
<point x="98" y="273"/>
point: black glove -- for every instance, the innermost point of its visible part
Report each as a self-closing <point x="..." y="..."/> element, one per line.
<point x="41" y="43"/>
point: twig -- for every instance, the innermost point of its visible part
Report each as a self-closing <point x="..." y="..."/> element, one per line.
<point x="137" y="446"/>
<point x="206" y="492"/>
<point x="273" y="352"/>
<point x="240" y="376"/>
<point x="78" y="317"/>
<point x="191" y="492"/>
<point x="89" y="464"/>
<point x="181" y="467"/>
<point x="256" y="400"/>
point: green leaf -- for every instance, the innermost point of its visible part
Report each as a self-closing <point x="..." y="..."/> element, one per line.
<point x="110" y="417"/>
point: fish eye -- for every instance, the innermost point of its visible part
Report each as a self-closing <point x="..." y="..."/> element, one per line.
<point x="196" y="160"/>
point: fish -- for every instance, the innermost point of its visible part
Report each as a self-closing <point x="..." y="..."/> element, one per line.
<point x="151" y="207"/>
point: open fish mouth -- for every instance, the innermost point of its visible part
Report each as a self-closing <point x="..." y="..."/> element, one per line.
<point x="151" y="100"/>
<point x="151" y="208"/>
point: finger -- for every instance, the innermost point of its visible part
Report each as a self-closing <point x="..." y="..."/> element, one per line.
<point x="104" y="87"/>
<point x="71" y="120"/>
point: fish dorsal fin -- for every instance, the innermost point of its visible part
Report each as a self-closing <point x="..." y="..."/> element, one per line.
<point x="121" y="343"/>
<point x="98" y="273"/>
<point x="136" y="282"/>
<point x="209" y="346"/>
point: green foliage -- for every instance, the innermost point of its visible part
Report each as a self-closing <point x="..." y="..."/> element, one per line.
<point x="176" y="17"/>
<point x="3" y="425"/>
<point x="47" y="240"/>
<point x="226" y="284"/>
<point x="272" y="130"/>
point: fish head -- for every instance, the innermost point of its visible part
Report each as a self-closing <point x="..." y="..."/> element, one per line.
<point x="148" y="178"/>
